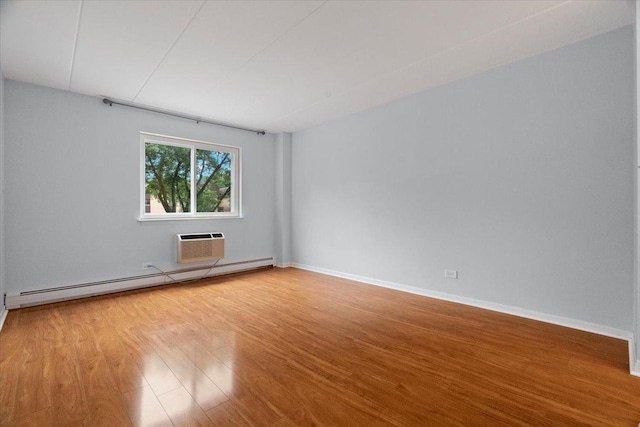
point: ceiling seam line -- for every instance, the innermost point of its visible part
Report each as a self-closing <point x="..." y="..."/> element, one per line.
<point x="75" y="45"/>
<point x="169" y="50"/>
<point x="406" y="67"/>
<point x="277" y="39"/>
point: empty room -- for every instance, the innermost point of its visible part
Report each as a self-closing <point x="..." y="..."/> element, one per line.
<point x="331" y="213"/>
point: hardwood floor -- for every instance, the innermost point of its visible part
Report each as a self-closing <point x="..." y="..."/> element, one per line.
<point x="290" y="348"/>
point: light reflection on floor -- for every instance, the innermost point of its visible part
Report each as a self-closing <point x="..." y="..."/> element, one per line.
<point x="198" y="382"/>
<point x="148" y="410"/>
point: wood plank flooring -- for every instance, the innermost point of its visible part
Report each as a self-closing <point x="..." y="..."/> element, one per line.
<point x="293" y="348"/>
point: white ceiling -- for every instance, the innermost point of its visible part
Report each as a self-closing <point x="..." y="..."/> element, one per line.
<point x="280" y="65"/>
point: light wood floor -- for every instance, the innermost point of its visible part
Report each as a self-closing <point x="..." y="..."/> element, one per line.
<point x="290" y="348"/>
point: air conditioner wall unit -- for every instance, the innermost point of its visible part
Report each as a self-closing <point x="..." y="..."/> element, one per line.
<point x="200" y="247"/>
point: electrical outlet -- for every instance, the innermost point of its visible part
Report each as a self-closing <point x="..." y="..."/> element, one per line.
<point x="147" y="265"/>
<point x="451" y="274"/>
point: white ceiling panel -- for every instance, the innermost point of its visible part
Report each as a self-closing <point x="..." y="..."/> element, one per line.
<point x="120" y="43"/>
<point x="406" y="32"/>
<point x="37" y="41"/>
<point x="568" y="23"/>
<point x="223" y="38"/>
<point x="302" y="68"/>
<point x="281" y="65"/>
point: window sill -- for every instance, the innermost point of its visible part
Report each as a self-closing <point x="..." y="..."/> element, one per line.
<point x="187" y="218"/>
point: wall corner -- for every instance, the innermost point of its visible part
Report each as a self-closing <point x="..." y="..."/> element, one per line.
<point x="283" y="199"/>
<point x="634" y="362"/>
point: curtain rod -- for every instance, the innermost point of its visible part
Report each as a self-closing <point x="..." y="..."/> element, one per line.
<point x="110" y="103"/>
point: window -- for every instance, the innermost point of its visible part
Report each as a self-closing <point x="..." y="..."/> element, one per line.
<point x="182" y="178"/>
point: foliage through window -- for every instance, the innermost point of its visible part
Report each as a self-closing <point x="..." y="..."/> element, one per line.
<point x="184" y="178"/>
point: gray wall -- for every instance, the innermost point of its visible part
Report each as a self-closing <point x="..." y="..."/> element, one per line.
<point x="72" y="190"/>
<point x="519" y="178"/>
<point x="637" y="140"/>
<point x="2" y="229"/>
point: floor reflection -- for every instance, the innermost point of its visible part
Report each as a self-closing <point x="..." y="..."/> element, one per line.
<point x="183" y="381"/>
<point x="222" y="376"/>
<point x="145" y="409"/>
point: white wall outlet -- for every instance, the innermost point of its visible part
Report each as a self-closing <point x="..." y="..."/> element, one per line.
<point x="147" y="265"/>
<point x="451" y="274"/>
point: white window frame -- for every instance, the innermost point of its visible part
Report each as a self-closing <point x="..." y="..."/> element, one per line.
<point x="236" y="189"/>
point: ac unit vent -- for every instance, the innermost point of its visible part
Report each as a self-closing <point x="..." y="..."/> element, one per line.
<point x="196" y="236"/>
<point x="200" y="247"/>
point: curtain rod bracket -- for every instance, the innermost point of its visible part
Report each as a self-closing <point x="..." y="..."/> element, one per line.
<point x="110" y="103"/>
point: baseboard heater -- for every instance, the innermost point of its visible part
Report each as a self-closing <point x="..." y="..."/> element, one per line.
<point x="83" y="290"/>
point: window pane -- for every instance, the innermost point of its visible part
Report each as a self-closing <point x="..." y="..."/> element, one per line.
<point x="167" y="178"/>
<point x="213" y="181"/>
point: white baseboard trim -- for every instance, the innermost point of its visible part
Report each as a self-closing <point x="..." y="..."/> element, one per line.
<point x="516" y="311"/>
<point x="3" y="317"/>
<point x="56" y="295"/>
<point x="634" y="361"/>
<point x="284" y="265"/>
